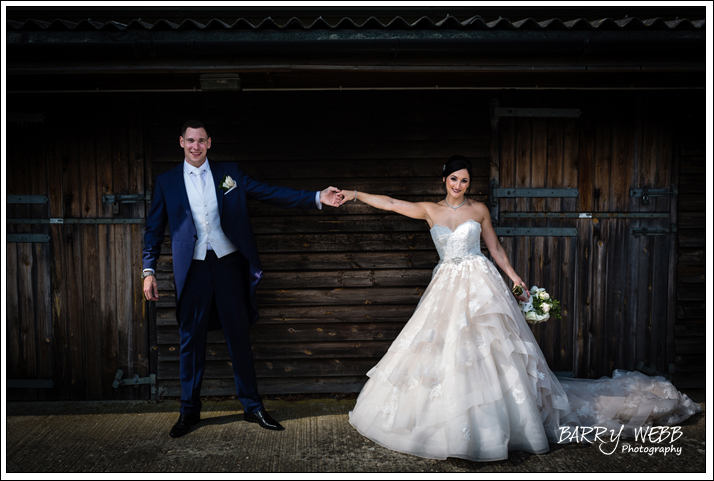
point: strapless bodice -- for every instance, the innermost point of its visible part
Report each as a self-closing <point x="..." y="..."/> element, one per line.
<point x="461" y="244"/>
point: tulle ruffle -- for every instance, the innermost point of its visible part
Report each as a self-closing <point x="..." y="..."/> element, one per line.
<point x="465" y="378"/>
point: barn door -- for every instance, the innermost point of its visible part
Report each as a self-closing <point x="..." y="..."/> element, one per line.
<point x="582" y="203"/>
<point x="75" y="312"/>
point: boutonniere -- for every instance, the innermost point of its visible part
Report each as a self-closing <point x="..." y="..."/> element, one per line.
<point x="227" y="184"/>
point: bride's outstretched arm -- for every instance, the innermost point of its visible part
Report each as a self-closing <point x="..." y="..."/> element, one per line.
<point x="415" y="210"/>
<point x="497" y="251"/>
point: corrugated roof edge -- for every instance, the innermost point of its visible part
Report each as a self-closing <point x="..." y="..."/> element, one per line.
<point x="372" y="23"/>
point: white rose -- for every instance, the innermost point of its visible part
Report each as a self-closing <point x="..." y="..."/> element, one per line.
<point x="545" y="307"/>
<point x="544" y="295"/>
<point x="229" y="182"/>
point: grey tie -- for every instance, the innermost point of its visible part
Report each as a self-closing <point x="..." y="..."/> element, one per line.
<point x="201" y="184"/>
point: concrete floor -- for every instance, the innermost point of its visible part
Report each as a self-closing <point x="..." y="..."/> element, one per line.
<point x="132" y="436"/>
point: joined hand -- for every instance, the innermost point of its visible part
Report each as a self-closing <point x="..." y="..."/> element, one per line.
<point x="332" y="196"/>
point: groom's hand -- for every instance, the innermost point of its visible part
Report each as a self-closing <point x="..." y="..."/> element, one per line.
<point x="151" y="289"/>
<point x="331" y="196"/>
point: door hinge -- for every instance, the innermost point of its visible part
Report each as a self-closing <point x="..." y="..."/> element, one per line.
<point x="647" y="193"/>
<point x="536" y="231"/>
<point x="638" y="231"/>
<point x="135" y="381"/>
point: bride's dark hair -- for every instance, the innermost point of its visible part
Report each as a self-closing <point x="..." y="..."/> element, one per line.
<point x="457" y="162"/>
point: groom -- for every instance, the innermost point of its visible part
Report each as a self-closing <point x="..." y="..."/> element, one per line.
<point x="215" y="262"/>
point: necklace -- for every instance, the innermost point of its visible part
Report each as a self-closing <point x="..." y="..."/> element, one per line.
<point x="447" y="203"/>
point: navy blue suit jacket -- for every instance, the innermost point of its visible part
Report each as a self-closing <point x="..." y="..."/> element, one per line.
<point x="170" y="204"/>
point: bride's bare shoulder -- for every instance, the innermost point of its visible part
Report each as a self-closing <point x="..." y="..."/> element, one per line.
<point x="480" y="209"/>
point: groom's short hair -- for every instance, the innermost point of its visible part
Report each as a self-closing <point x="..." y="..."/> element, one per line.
<point x="193" y="124"/>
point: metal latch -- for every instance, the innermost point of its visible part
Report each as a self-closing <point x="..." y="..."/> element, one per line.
<point x="647" y="193"/>
<point x="135" y="381"/>
<point x="638" y="231"/>
<point x="117" y="199"/>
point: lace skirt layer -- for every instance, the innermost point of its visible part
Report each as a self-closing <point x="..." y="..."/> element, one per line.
<point x="465" y="377"/>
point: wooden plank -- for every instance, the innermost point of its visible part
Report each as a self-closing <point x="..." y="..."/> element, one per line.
<point x="692" y="202"/>
<point x="691" y="292"/>
<point x="691" y="310"/>
<point x="350" y="278"/>
<point x="288" y="385"/>
<point x="690" y="345"/>
<point x="342" y="128"/>
<point x="377" y="313"/>
<point x="692" y="164"/>
<point x="613" y="321"/>
<point x="356" y="150"/>
<point x="43" y="313"/>
<point x="660" y="322"/>
<point x="695" y="274"/>
<point x="378" y="241"/>
<point x="692" y="237"/>
<point x="75" y="313"/>
<point x="107" y="308"/>
<point x="691" y="256"/>
<point x="91" y="348"/>
<point x="599" y="348"/>
<point x="124" y="296"/>
<point x="603" y="156"/>
<point x="300" y="333"/>
<point x="691" y="328"/>
<point x="583" y="294"/>
<point x="289" y="350"/>
<point x="687" y="363"/>
<point x="325" y="297"/>
<point x="15" y="369"/>
<point x="336" y="223"/>
<point x="495" y="162"/>
<point x="13" y="319"/>
<point x="671" y="280"/>
<point x="690" y="220"/>
<point x="522" y="245"/>
<point x="140" y="330"/>
<point x="540" y="255"/>
<point x="325" y="169"/>
<point x="278" y="368"/>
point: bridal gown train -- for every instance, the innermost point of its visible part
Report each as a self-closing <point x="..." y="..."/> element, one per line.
<point x="465" y="377"/>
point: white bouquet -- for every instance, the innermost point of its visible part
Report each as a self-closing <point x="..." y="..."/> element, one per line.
<point x="540" y="306"/>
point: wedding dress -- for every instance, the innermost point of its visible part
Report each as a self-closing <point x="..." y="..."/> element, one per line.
<point x="465" y="377"/>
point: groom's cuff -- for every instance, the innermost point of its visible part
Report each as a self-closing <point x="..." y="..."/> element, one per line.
<point x="317" y="200"/>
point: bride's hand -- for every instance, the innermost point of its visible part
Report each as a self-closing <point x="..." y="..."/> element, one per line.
<point x="517" y="281"/>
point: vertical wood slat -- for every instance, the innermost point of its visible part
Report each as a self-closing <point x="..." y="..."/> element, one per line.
<point x="569" y="246"/>
<point x="106" y="322"/>
<point x="122" y="250"/>
<point x="585" y="248"/>
<point x="507" y="144"/>
<point x="555" y="245"/>
<point x="140" y="329"/>
<point x="540" y="256"/>
<point x="41" y="325"/>
<point x="58" y="270"/>
<point x="92" y="345"/>
<point x="673" y="257"/>
<point x="13" y="322"/>
<point x="523" y="150"/>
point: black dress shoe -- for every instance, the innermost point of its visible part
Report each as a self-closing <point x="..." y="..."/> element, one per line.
<point x="184" y="423"/>
<point x="263" y="418"/>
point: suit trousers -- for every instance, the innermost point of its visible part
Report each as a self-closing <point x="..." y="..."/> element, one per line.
<point x="216" y="286"/>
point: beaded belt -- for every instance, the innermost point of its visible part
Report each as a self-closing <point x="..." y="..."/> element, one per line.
<point x="459" y="260"/>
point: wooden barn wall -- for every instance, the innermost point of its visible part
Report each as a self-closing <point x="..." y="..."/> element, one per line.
<point x="75" y="313"/>
<point x="339" y="284"/>
<point x="690" y="330"/>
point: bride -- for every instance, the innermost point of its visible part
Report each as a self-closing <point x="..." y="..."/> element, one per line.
<point x="465" y="377"/>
